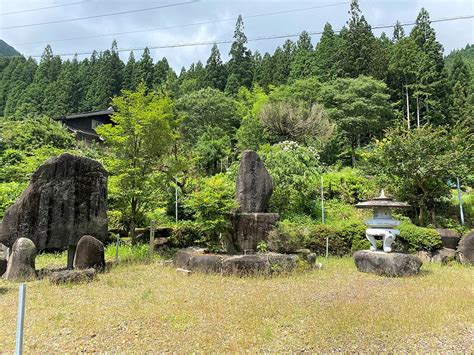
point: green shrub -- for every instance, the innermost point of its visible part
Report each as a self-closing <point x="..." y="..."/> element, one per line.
<point x="187" y="233"/>
<point x="211" y="202"/>
<point x="9" y="192"/>
<point x="343" y="238"/>
<point x="418" y="238"/>
<point x="348" y="185"/>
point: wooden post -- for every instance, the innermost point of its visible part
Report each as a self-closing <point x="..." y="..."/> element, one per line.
<point x="152" y="237"/>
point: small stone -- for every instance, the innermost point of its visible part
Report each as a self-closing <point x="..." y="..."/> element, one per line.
<point x="465" y="251"/>
<point x="311" y="258"/>
<point x="21" y="262"/>
<point x="72" y="276"/>
<point x="424" y="256"/>
<point x="89" y="254"/>
<point x="183" y="271"/>
<point x="443" y="255"/>
<point x="387" y="264"/>
<point x="303" y="252"/>
<point x="244" y="265"/>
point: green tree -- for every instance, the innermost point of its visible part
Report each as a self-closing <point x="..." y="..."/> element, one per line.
<point x="215" y="75"/>
<point x="416" y="165"/>
<point x="207" y="108"/>
<point x="302" y="65"/>
<point x="130" y="73"/>
<point x="240" y="63"/>
<point x="459" y="80"/>
<point x="295" y="173"/>
<point x="357" y="52"/>
<point x="145" y="69"/>
<point x="140" y="141"/>
<point x="213" y="148"/>
<point x="250" y="134"/>
<point x="359" y="107"/>
<point x="431" y="88"/>
<point x="161" y="71"/>
<point x="325" y="55"/>
<point x="283" y="121"/>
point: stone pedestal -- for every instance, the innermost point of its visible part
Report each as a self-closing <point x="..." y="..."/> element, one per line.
<point x="249" y="229"/>
<point x="387" y="264"/>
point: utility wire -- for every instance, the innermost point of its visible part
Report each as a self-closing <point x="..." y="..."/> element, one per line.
<point x="43" y="8"/>
<point x="184" y="25"/>
<point x="252" y="39"/>
<point x="97" y="16"/>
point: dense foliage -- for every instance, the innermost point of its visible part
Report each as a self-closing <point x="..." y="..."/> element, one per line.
<point x="355" y="113"/>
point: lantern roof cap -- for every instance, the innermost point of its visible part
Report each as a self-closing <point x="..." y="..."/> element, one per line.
<point x="382" y="201"/>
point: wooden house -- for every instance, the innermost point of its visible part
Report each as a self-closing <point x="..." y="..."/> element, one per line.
<point x="83" y="124"/>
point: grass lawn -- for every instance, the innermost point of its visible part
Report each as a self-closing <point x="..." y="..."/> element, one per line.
<point x="140" y="307"/>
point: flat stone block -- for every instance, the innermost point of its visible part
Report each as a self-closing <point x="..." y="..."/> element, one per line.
<point x="206" y="263"/>
<point x="245" y="265"/>
<point x="387" y="264"/>
<point x="72" y="276"/>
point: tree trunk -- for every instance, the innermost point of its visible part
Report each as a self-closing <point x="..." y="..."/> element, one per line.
<point x="408" y="107"/>
<point x="417" y="113"/>
<point x="353" y="156"/>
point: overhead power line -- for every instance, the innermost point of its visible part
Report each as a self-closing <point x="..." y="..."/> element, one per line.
<point x="253" y="39"/>
<point x="98" y="16"/>
<point x="183" y="25"/>
<point x="43" y="8"/>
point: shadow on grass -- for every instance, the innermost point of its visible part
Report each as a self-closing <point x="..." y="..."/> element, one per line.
<point x="3" y="290"/>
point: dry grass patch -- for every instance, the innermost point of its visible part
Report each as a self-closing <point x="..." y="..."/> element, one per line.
<point x="138" y="308"/>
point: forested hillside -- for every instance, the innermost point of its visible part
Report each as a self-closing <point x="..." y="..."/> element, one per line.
<point x="6" y="50"/>
<point x="361" y="111"/>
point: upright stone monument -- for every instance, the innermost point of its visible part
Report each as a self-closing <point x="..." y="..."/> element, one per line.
<point x="66" y="199"/>
<point x="251" y="222"/>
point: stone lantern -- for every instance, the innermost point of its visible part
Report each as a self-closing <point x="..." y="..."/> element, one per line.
<point x="382" y="224"/>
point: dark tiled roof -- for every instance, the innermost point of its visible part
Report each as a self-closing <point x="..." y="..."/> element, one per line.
<point x="87" y="114"/>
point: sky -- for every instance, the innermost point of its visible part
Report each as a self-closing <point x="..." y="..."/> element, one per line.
<point x="451" y="34"/>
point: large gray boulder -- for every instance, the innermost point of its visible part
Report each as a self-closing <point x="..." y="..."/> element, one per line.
<point x="387" y="264"/>
<point x="465" y="251"/>
<point x="21" y="262"/>
<point x="89" y="254"/>
<point x="254" y="184"/>
<point x="66" y="199"/>
<point x="443" y="255"/>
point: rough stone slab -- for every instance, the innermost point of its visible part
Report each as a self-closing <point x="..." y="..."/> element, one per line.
<point x="206" y="263"/>
<point x="3" y="258"/>
<point x="72" y="276"/>
<point x="465" y="251"/>
<point x="443" y="255"/>
<point x="254" y="184"/>
<point x="449" y="238"/>
<point x="249" y="229"/>
<point x="182" y="256"/>
<point x="387" y="264"/>
<point x="281" y="262"/>
<point x="245" y="265"/>
<point x="89" y="254"/>
<point x="21" y="262"/>
<point x="66" y="199"/>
